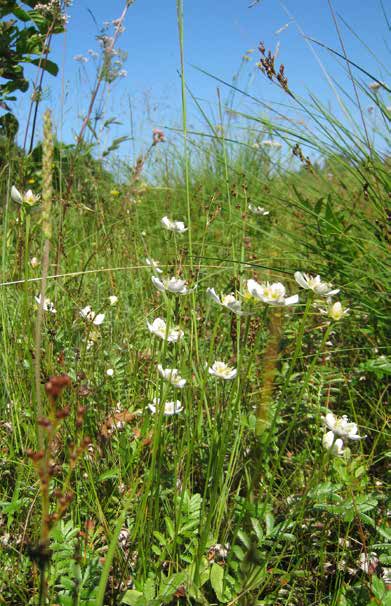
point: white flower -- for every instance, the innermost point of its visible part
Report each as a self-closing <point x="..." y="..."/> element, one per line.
<point x="170" y="408"/>
<point x="375" y="85"/>
<point x="28" y="198"/>
<point x="47" y="304"/>
<point x="227" y="301"/>
<point x="113" y="300"/>
<point x="110" y="372"/>
<point x="34" y="262"/>
<point x="80" y="58"/>
<point x="271" y="143"/>
<point x="223" y="371"/>
<point x="154" y="265"/>
<point x="172" y="376"/>
<point x="330" y="442"/>
<point x="336" y="311"/>
<point x="272" y="294"/>
<point x="341" y="427"/>
<point x="314" y="283"/>
<point x="91" y="316"/>
<point x="160" y="329"/>
<point x="258" y="210"/>
<point x="174" y="285"/>
<point x="177" y="226"/>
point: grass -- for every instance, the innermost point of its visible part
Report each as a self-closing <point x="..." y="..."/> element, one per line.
<point x="234" y="500"/>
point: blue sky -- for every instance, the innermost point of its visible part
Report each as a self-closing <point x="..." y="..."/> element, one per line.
<point x="217" y="34"/>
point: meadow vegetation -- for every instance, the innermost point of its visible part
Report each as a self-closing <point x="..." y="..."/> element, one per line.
<point x="175" y="373"/>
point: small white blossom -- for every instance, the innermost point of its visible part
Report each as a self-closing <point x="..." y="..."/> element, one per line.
<point x="91" y="316"/>
<point x="272" y="294"/>
<point x="154" y="265"/>
<point x="80" y="58"/>
<point x="375" y="86"/>
<point x="172" y="376"/>
<point x="174" y="285"/>
<point x="333" y="444"/>
<point x="110" y="372"/>
<point x="27" y="199"/>
<point x="341" y="426"/>
<point x="336" y="311"/>
<point x="314" y="283"/>
<point x="160" y="329"/>
<point x="34" y="262"/>
<point x="170" y="408"/>
<point x="227" y="301"/>
<point x="113" y="300"/>
<point x="177" y="226"/>
<point x="47" y="304"/>
<point x="258" y="210"/>
<point x="271" y="143"/>
<point x="223" y="371"/>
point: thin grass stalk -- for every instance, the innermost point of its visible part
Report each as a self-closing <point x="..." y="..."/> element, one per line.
<point x="47" y="193"/>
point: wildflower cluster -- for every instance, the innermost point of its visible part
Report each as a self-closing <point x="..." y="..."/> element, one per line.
<point x="55" y="11"/>
<point x="340" y="431"/>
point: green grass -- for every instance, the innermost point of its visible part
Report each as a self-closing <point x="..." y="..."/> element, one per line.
<point x="234" y="500"/>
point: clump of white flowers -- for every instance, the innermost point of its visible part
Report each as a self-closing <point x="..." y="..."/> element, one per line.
<point x="314" y="283"/>
<point x="340" y="430"/>
<point x="342" y="427"/>
<point x="271" y="294"/>
<point x="161" y="330"/>
<point x="221" y="370"/>
<point x="227" y="301"/>
<point x="177" y="226"/>
<point x="113" y="300"/>
<point x="88" y="314"/>
<point x="173" y="285"/>
<point x="172" y="376"/>
<point x="258" y="210"/>
<point x="25" y="199"/>
<point x="47" y="305"/>
<point x="170" y="408"/>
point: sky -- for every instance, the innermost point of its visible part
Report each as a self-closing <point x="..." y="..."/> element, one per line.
<point x="217" y="34"/>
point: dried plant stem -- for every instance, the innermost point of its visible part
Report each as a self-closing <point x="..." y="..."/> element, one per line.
<point x="47" y="192"/>
<point x="80" y="137"/>
<point x="269" y="370"/>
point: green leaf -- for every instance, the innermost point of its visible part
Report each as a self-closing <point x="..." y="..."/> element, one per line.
<point x="110" y="474"/>
<point x="170" y="585"/>
<point x="21" y="14"/>
<point x="46" y="64"/>
<point x="132" y="597"/>
<point x="378" y="588"/>
<point x="149" y="589"/>
<point x="217" y="580"/>
<point x="170" y="527"/>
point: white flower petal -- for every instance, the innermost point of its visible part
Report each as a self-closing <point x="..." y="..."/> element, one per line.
<point x="16" y="196"/>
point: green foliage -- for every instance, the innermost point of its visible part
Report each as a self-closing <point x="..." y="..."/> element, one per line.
<point x="24" y="39"/>
<point x="75" y="568"/>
